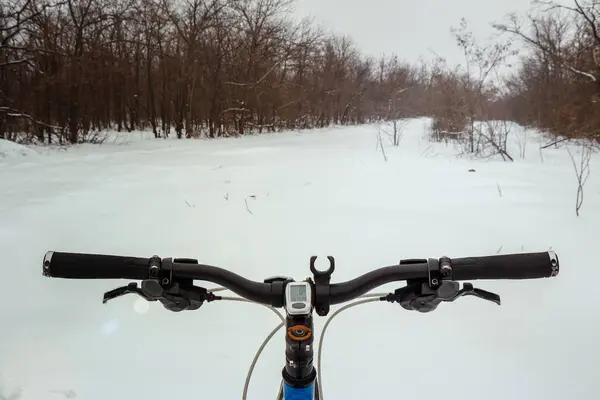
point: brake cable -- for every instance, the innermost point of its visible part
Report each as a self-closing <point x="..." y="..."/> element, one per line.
<point x="367" y="298"/>
<point x="264" y="343"/>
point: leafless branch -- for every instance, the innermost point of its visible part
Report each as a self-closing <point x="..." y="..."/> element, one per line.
<point x="582" y="172"/>
<point x="247" y="208"/>
<point x="517" y="32"/>
<point x="261" y="79"/>
<point x="554" y="143"/>
<point x="380" y="144"/>
<point x="11" y="112"/>
<point x="17" y="62"/>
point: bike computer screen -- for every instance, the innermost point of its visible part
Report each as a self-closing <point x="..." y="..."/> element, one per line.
<point x="298" y="293"/>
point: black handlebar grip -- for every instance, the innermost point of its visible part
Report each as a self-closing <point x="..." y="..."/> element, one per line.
<point x="509" y="266"/>
<point x="94" y="266"/>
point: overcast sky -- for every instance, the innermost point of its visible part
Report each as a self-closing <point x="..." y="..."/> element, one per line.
<point x="409" y="28"/>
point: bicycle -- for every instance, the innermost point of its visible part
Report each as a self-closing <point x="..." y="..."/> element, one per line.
<point x="428" y="283"/>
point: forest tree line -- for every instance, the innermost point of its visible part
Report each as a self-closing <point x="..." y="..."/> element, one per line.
<point x="211" y="68"/>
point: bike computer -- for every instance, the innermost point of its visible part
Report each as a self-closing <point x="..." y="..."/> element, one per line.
<point x="298" y="298"/>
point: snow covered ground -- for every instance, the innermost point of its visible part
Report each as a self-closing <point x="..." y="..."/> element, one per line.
<point x="326" y="192"/>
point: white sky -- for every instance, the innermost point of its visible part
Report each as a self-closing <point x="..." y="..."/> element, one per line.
<point x="409" y="28"/>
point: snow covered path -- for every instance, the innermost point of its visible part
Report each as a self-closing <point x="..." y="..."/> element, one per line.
<point x="326" y="192"/>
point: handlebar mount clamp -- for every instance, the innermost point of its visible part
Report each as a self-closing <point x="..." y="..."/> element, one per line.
<point x="321" y="285"/>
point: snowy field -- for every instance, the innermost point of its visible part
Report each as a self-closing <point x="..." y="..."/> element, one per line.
<point x="326" y="192"/>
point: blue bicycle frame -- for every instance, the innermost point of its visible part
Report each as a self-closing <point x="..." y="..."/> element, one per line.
<point x="291" y="393"/>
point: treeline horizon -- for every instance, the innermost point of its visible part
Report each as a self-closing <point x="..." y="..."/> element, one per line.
<point x="212" y="68"/>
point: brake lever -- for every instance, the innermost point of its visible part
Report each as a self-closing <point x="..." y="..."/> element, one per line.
<point x="123" y="290"/>
<point x="482" y="294"/>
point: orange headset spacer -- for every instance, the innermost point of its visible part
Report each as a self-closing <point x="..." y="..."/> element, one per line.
<point x="291" y="332"/>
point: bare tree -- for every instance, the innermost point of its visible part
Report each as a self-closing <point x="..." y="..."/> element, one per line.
<point x="492" y="137"/>
<point x="481" y="62"/>
<point x="556" y="86"/>
<point x="380" y="145"/>
<point x="393" y="130"/>
<point x="582" y="171"/>
<point x="398" y="131"/>
<point x="203" y="68"/>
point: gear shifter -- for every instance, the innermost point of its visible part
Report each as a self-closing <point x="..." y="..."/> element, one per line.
<point x="419" y="296"/>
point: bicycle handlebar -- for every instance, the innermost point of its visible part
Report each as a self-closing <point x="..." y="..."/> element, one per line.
<point x="98" y="266"/>
<point x="428" y="283"/>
